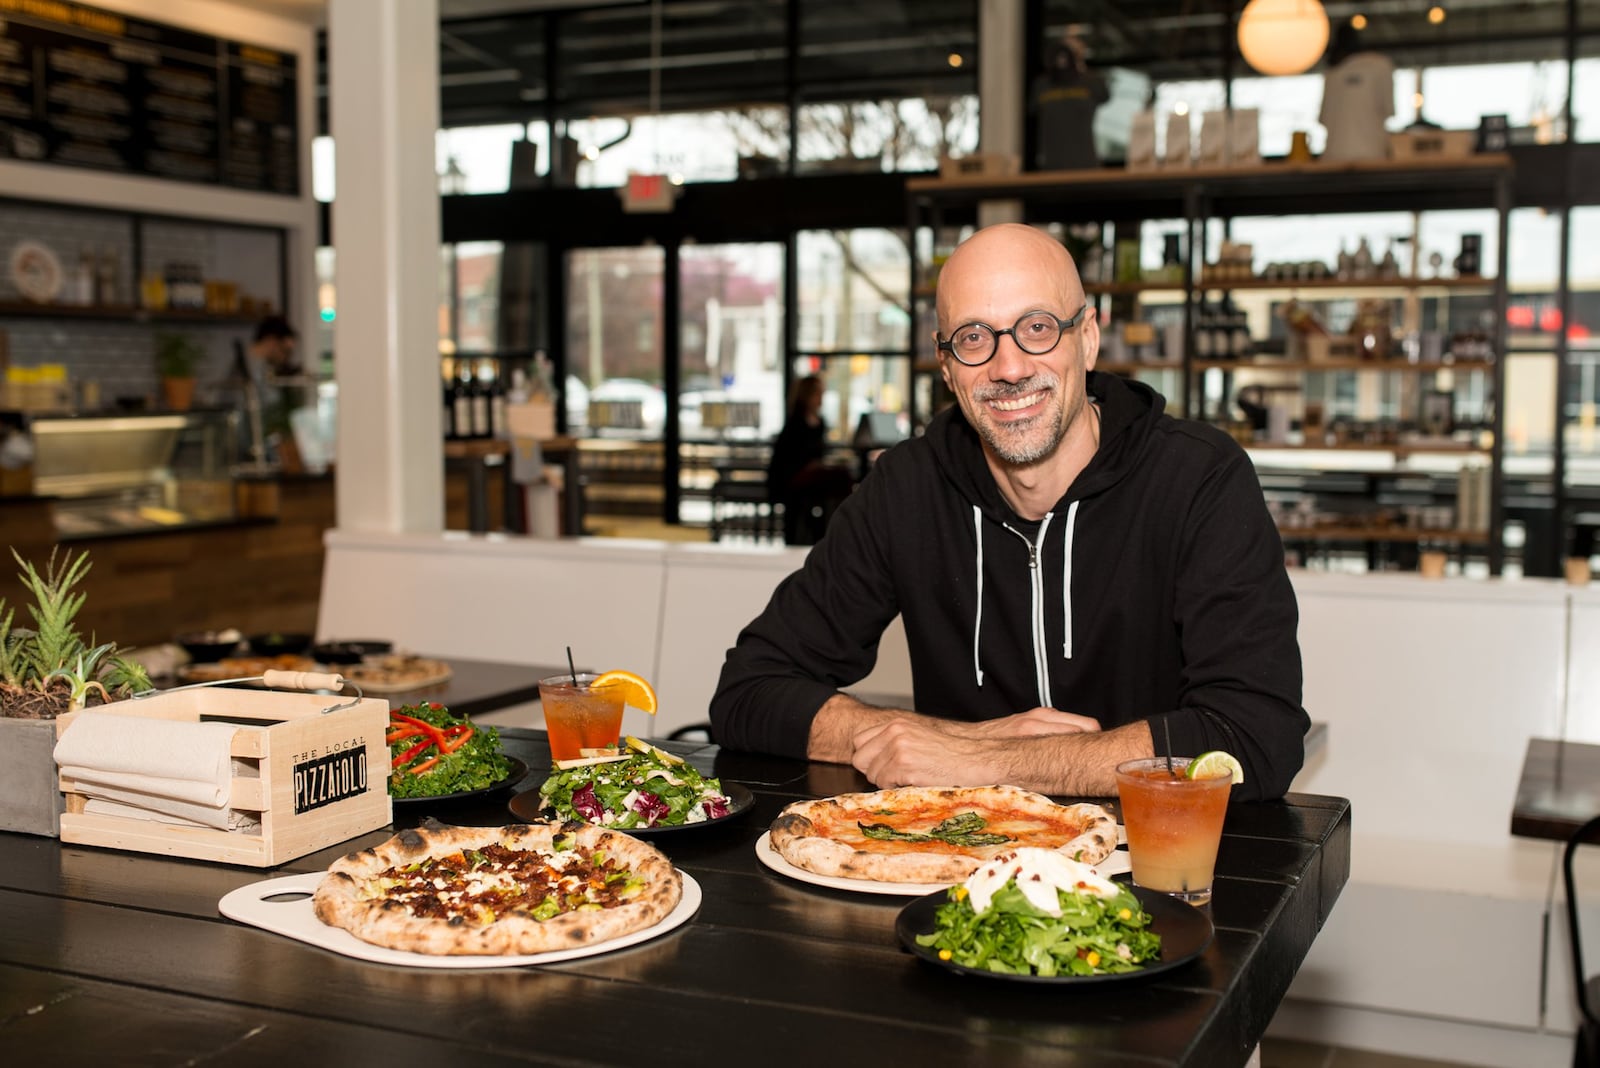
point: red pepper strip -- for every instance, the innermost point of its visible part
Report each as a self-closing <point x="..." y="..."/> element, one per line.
<point x="438" y="735"/>
<point x="424" y="766"/>
<point x="409" y="753"/>
<point x="460" y="739"/>
<point x="406" y="732"/>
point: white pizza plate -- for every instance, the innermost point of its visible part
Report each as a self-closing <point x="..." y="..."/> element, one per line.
<point x="293" y="917"/>
<point x="1115" y="864"/>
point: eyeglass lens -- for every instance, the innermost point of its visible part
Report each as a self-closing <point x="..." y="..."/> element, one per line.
<point x="1035" y="334"/>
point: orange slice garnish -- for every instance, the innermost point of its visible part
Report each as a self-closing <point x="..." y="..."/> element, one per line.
<point x="636" y="692"/>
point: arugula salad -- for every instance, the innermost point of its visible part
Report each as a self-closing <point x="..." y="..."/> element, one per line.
<point x="1034" y="911"/>
<point x="433" y="753"/>
<point x="642" y="786"/>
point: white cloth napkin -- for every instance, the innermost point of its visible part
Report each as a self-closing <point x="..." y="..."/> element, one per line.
<point x="170" y="812"/>
<point x="174" y="767"/>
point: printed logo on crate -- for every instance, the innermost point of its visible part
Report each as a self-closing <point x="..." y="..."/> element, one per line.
<point x="323" y="779"/>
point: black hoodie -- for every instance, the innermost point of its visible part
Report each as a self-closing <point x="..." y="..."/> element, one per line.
<point x="1160" y="594"/>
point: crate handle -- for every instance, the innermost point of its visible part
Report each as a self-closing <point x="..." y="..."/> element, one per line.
<point x="313" y="680"/>
<point x="302" y="680"/>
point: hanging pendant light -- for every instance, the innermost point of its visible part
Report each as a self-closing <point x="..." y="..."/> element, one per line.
<point x="1283" y="36"/>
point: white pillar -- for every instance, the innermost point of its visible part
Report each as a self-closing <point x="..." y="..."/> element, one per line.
<point x="383" y="95"/>
<point x="1002" y="80"/>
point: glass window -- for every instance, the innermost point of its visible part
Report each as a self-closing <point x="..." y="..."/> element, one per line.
<point x="475" y="159"/>
<point x="1586" y="96"/>
<point x="887" y="135"/>
<point x="477" y="295"/>
<point x="731" y="384"/>
<point x="852" y="291"/>
<point x="858" y="386"/>
<point x="613" y="319"/>
<point x="708" y="146"/>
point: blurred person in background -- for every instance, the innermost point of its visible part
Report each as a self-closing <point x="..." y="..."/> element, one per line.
<point x="799" y="475"/>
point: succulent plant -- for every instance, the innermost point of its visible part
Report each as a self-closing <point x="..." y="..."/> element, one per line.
<point x="50" y="665"/>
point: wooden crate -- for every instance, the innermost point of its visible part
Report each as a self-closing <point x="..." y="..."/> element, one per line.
<point x="318" y="779"/>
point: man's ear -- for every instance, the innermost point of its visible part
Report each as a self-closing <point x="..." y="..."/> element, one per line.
<point x="1091" y="339"/>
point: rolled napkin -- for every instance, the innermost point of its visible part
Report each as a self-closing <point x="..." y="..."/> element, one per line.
<point x="175" y="767"/>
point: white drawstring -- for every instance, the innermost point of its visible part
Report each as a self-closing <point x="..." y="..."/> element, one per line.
<point x="1066" y="581"/>
<point x="977" y="622"/>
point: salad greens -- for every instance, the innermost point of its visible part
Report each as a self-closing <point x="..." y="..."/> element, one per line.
<point x="433" y="753"/>
<point x="1092" y="936"/>
<point x="645" y="788"/>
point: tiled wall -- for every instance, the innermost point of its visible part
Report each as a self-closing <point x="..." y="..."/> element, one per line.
<point x="118" y="355"/>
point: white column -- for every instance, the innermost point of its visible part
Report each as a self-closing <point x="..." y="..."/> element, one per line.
<point x="383" y="94"/>
<point x="1002" y="81"/>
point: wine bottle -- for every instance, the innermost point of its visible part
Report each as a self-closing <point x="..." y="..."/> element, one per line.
<point x="462" y="403"/>
<point x="497" y="404"/>
<point x="480" y="402"/>
<point x="448" y="388"/>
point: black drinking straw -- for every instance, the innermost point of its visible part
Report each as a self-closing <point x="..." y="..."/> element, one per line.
<point x="1166" y="725"/>
<point x="575" y="680"/>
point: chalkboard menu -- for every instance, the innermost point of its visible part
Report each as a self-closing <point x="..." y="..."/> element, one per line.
<point x="85" y="87"/>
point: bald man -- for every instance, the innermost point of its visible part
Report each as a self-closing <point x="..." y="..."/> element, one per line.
<point x="1083" y="579"/>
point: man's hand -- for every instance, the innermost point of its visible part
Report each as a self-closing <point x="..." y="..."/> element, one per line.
<point x="924" y="752"/>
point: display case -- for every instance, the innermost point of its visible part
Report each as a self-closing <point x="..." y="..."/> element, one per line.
<point x="129" y="473"/>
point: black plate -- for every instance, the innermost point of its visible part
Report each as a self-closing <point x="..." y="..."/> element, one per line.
<point x="1185" y="933"/>
<point x="525" y="806"/>
<point x="519" y="771"/>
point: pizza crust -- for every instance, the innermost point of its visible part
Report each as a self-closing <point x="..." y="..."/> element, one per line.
<point x="340" y="900"/>
<point x="823" y="836"/>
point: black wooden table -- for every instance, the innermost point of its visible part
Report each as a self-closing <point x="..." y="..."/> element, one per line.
<point x="1559" y="790"/>
<point x="121" y="958"/>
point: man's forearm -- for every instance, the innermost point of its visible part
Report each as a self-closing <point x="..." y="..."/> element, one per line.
<point x="1072" y="765"/>
<point x="837" y="722"/>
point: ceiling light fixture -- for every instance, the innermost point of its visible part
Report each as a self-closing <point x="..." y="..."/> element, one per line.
<point x="1283" y="36"/>
<point x="1436" y="14"/>
<point x="1358" y="21"/>
<point x="954" y="59"/>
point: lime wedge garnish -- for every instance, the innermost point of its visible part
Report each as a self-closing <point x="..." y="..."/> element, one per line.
<point x="1216" y="765"/>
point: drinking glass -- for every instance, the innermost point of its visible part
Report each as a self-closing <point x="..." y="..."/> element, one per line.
<point x="577" y="716"/>
<point x="1174" y="825"/>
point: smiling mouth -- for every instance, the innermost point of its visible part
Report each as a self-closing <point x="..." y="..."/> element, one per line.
<point x="1016" y="403"/>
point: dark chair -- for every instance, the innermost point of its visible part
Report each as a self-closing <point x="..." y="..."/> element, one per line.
<point x="694" y="732"/>
<point x="1586" y="1048"/>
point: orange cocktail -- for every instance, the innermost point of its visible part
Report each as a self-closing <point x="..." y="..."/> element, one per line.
<point x="578" y="716"/>
<point x="1174" y="825"/>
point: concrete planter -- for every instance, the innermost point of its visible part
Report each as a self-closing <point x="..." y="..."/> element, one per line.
<point x="30" y="795"/>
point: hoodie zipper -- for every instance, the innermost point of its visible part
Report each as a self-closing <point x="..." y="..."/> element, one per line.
<point x="1041" y="671"/>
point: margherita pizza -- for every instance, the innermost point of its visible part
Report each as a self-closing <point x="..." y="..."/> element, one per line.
<point x="919" y="834"/>
<point x="522" y="889"/>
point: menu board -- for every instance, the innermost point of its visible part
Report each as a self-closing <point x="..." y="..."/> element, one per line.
<point x="85" y="87"/>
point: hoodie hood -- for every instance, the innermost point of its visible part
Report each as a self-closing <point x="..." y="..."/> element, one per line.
<point x="1128" y="414"/>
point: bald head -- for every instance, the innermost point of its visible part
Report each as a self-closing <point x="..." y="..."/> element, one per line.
<point x="1007" y="260"/>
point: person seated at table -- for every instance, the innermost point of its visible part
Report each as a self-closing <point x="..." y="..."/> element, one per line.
<point x="799" y="475"/>
<point x="1083" y="579"/>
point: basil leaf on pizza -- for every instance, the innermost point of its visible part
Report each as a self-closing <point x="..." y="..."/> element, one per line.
<point x="521" y="889"/>
<point x="919" y="834"/>
<point x="963" y="830"/>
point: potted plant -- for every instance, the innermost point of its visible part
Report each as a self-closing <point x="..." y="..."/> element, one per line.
<point x="45" y="670"/>
<point x="177" y="356"/>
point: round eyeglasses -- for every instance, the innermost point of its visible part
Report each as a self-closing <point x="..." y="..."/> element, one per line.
<point x="1036" y="333"/>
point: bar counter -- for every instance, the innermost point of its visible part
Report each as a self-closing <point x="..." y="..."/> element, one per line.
<point x="111" y="957"/>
